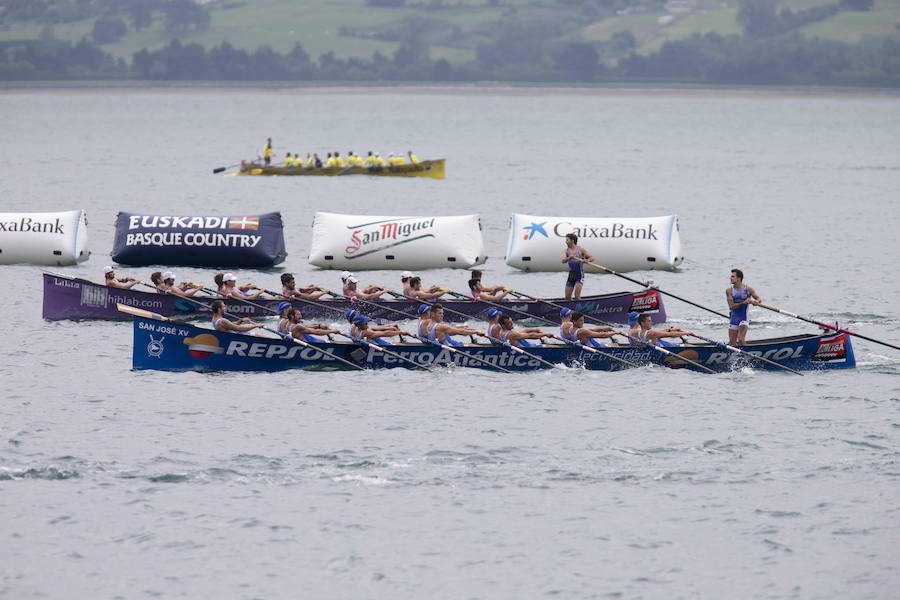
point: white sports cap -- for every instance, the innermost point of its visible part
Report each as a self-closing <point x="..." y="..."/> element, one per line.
<point x="345" y="275"/>
<point x="405" y="274"/>
<point x="352" y="279"/>
<point x="227" y="277"/>
<point x="168" y="275"/>
<point x="107" y="269"/>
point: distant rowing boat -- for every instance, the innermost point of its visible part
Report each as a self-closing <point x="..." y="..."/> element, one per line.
<point x="175" y="346"/>
<point x="68" y="297"/>
<point x="425" y="168"/>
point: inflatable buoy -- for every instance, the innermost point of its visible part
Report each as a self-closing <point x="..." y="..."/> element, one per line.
<point x="536" y="243"/>
<point x="360" y="242"/>
<point x="199" y="241"/>
<point x="47" y="238"/>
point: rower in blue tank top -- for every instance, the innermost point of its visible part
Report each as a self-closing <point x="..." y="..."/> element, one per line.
<point x="220" y="323"/>
<point x="587" y="335"/>
<point x="575" y="256"/>
<point x="739" y="296"/>
<point x="363" y="333"/>
<point x="293" y="328"/>
<point x="440" y="332"/>
<point x="648" y="335"/>
<point x="519" y="337"/>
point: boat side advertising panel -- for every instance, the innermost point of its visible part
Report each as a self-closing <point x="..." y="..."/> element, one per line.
<point x="199" y="240"/>
<point x="359" y="242"/>
<point x="45" y="238"/>
<point x="536" y="243"/>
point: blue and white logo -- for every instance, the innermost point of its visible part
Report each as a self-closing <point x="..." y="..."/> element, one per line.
<point x="155" y="347"/>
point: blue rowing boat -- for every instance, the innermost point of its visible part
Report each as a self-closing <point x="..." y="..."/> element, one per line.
<point x="176" y="346"/>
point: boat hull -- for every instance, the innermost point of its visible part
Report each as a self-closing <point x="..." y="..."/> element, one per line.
<point x="73" y="298"/>
<point x="177" y="346"/>
<point x="425" y="168"/>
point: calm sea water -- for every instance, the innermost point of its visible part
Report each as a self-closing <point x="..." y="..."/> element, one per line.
<point x="648" y="483"/>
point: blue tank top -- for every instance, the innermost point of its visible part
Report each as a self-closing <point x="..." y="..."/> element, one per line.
<point x="572" y="337"/>
<point x="575" y="265"/>
<point x="740" y="312"/>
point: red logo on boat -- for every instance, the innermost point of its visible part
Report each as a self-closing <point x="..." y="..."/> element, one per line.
<point x="833" y="348"/>
<point x="243" y="223"/>
<point x="203" y="346"/>
<point x="645" y="301"/>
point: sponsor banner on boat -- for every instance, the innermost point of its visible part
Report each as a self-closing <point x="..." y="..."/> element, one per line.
<point x="203" y="241"/>
<point x="49" y="238"/>
<point x="536" y="243"/>
<point x="358" y="242"/>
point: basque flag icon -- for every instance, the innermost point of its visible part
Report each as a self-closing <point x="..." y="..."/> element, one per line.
<point x="243" y="223"/>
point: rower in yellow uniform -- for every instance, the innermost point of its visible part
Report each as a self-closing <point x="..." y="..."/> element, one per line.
<point x="330" y="161"/>
<point x="413" y="159"/>
<point x="399" y="160"/>
<point x="288" y="160"/>
<point x="379" y="162"/>
<point x="267" y="152"/>
<point x="370" y="160"/>
<point x="338" y="161"/>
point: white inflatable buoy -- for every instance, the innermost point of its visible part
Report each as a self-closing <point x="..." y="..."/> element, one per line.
<point x="536" y="243"/>
<point x="50" y="238"/>
<point x="359" y="242"/>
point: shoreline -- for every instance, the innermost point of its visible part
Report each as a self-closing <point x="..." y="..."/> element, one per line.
<point x="431" y="88"/>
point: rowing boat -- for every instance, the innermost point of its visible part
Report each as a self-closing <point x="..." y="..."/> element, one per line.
<point x="67" y="297"/>
<point x="177" y="346"/>
<point x="425" y="168"/>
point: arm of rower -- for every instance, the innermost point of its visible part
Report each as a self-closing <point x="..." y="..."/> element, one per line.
<point x="565" y="257"/>
<point x="520" y="334"/>
<point x="753" y="294"/>
<point x="730" y="299"/>
<point x="588" y="257"/>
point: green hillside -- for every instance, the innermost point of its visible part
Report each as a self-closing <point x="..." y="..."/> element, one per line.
<point x="453" y="28"/>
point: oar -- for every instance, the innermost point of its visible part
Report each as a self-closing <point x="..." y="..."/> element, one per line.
<point x="751" y="355"/>
<point x="376" y="305"/>
<point x="639" y="341"/>
<point x="527" y="314"/>
<point x="220" y="169"/>
<point x="455" y="350"/>
<point x="518" y="350"/>
<point x="430" y="303"/>
<point x="593" y="350"/>
<point x="312" y="302"/>
<point x="827" y="326"/>
<point x="140" y="312"/>
<point x="647" y="284"/>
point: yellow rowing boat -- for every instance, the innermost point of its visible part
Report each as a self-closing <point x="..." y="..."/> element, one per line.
<point x="425" y="168"/>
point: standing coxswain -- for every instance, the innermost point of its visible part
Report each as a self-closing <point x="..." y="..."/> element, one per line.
<point x="739" y="296"/>
<point x="575" y="256"/>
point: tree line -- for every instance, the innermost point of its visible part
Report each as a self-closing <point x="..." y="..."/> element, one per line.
<point x="770" y="51"/>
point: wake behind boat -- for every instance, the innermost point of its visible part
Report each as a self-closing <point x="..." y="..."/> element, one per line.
<point x="68" y="297"/>
<point x="176" y="346"/>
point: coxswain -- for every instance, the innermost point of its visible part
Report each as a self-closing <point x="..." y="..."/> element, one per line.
<point x="481" y="294"/>
<point x="413" y="159"/>
<point x="440" y="332"/>
<point x="417" y="293"/>
<point x="338" y="161"/>
<point x="288" y="160"/>
<point x="518" y="337"/>
<point x="220" y="323"/>
<point x="587" y="335"/>
<point x="310" y="292"/>
<point x="267" y="152"/>
<point x="575" y="256"/>
<point x="230" y="288"/>
<point x="648" y="335"/>
<point x="351" y="291"/>
<point x="493" y="329"/>
<point x="168" y="285"/>
<point x="739" y="296"/>
<point x="125" y="283"/>
<point x="329" y="162"/>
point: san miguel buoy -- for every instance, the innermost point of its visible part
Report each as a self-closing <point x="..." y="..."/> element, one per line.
<point x="45" y="238"/>
<point x="361" y="242"/>
<point x="536" y="243"/>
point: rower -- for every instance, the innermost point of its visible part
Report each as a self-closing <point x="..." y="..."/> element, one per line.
<point x="634" y="330"/>
<point x="379" y="162"/>
<point x="417" y="293"/>
<point x="364" y="333"/>
<point x="424" y="322"/>
<point x="493" y="330"/>
<point x="565" y="325"/>
<point x="220" y="323"/>
<point x="288" y="161"/>
<point x="440" y="332"/>
<point x="338" y="161"/>
<point x="518" y="337"/>
<point x="230" y="288"/>
<point x="310" y="162"/>
<point x="480" y="293"/>
<point x="476" y="275"/>
<point x="329" y="161"/>
<point x="125" y="283"/>
<point x="298" y="162"/>
<point x="156" y="278"/>
<point x="297" y="330"/>
<point x="739" y="295"/>
<point x="405" y="276"/>
<point x="186" y="288"/>
<point x="649" y="335"/>
<point x="310" y="292"/>
<point x="353" y="313"/>
<point x="350" y="290"/>
<point x="587" y="335"/>
<point x="370" y="160"/>
<point x="399" y="160"/>
<point x="413" y="159"/>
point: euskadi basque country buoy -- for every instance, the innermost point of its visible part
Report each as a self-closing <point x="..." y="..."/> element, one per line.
<point x="536" y="243"/>
<point x="199" y="240"/>
<point x="360" y="242"/>
<point x="44" y="238"/>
